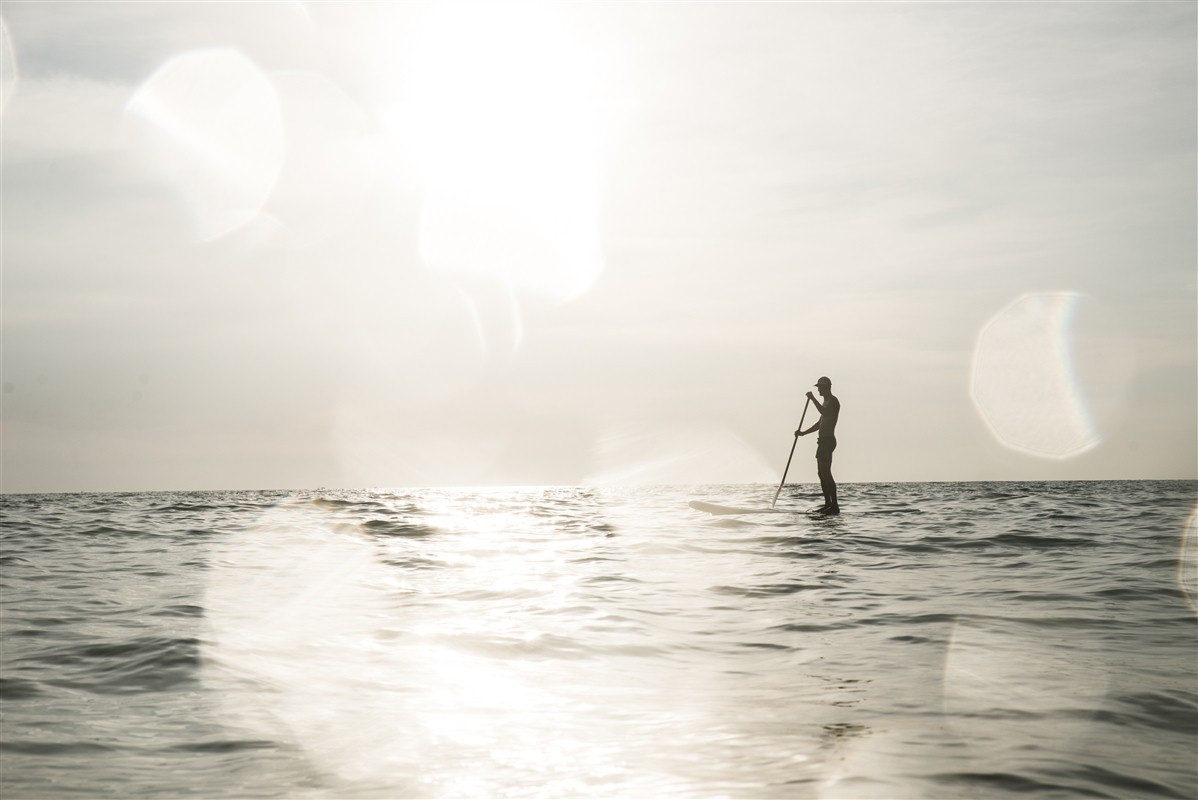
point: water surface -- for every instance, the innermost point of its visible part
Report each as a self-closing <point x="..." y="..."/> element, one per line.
<point x="936" y="640"/>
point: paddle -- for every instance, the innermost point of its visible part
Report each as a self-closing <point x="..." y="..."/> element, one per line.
<point x="792" y="452"/>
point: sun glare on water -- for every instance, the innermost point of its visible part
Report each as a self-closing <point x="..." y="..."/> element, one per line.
<point x="314" y="638"/>
<point x="502" y="126"/>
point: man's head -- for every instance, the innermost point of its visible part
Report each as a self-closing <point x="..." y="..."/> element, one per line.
<point x="824" y="386"/>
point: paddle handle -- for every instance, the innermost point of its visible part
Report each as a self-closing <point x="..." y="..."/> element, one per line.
<point x="792" y="452"/>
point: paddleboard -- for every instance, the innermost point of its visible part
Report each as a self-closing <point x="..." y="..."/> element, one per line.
<point x="715" y="508"/>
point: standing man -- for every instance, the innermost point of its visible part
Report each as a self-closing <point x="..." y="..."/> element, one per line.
<point x="829" y="412"/>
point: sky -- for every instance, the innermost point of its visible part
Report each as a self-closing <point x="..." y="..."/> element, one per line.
<point x="300" y="245"/>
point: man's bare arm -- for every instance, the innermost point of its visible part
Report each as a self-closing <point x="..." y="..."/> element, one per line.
<point x="812" y="429"/>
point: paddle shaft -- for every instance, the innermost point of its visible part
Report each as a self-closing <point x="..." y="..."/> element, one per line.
<point x="792" y="452"/>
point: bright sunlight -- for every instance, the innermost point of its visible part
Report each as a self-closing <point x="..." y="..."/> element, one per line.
<point x="502" y="124"/>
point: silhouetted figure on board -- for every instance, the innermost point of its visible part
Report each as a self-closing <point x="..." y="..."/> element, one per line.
<point x="829" y="412"/>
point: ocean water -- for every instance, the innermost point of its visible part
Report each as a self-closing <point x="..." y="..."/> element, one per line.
<point x="935" y="641"/>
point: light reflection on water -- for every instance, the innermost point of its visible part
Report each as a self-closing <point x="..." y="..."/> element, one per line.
<point x="506" y="653"/>
<point x="561" y="642"/>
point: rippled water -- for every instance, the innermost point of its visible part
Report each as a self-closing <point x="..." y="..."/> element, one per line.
<point x="936" y="640"/>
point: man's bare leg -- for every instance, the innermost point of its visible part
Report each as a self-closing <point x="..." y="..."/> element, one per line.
<point x="828" y="485"/>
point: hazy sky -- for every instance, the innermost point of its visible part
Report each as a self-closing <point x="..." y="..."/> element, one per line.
<point x="285" y="245"/>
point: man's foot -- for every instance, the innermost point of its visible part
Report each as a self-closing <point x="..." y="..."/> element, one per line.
<point x="829" y="511"/>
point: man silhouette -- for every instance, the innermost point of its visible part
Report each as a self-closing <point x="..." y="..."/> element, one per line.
<point x="829" y="412"/>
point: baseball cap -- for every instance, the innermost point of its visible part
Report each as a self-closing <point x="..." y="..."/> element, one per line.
<point x="823" y="381"/>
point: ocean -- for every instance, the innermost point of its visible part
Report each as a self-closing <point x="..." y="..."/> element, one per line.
<point x="936" y="640"/>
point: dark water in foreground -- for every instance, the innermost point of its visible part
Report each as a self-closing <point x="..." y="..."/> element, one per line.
<point x="937" y="640"/>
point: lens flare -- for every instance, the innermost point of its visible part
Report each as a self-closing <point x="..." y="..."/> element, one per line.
<point x="316" y="641"/>
<point x="8" y="67"/>
<point x="1023" y="381"/>
<point x="1005" y="676"/>
<point x="650" y="453"/>
<point x="210" y="121"/>
<point x="297" y="608"/>
<point x="324" y="180"/>
<point x="1187" y="562"/>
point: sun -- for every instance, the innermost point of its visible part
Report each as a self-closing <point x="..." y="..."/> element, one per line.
<point x="502" y="129"/>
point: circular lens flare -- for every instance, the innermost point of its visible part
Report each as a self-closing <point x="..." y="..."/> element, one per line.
<point x="210" y="122"/>
<point x="1023" y="381"/>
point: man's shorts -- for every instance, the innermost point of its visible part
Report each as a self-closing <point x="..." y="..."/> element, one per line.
<point x="824" y="448"/>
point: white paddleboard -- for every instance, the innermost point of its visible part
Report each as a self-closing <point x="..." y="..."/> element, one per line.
<point x="715" y="508"/>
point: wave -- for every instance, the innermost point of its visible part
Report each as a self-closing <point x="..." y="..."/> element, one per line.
<point x="935" y="640"/>
<point x="139" y="665"/>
